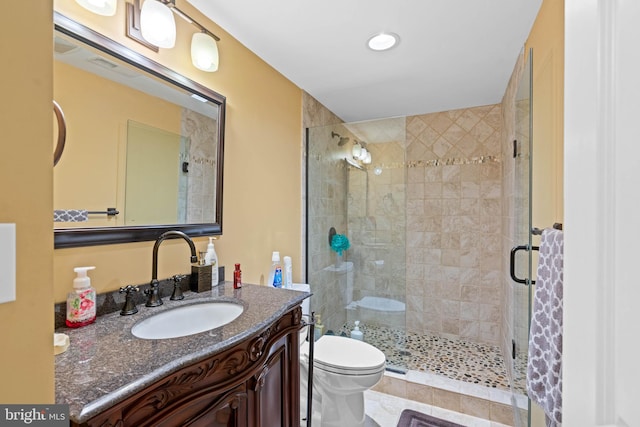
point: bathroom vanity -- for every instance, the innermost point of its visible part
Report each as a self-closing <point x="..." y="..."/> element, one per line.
<point x="245" y="373"/>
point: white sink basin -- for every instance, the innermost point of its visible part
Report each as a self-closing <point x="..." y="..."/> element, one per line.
<point x="187" y="320"/>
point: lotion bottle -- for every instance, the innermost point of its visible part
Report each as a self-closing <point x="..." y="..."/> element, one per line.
<point x="81" y="303"/>
<point x="211" y="257"/>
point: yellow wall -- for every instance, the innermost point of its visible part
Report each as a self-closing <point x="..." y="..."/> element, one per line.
<point x="26" y="325"/>
<point x="261" y="185"/>
<point x="262" y="203"/>
<point x="547" y="40"/>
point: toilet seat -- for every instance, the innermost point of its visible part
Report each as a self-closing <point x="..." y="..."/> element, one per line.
<point x="346" y="356"/>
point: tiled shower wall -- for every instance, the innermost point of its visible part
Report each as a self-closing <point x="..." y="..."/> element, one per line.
<point x="451" y="227"/>
<point x="201" y="191"/>
<point x="454" y="206"/>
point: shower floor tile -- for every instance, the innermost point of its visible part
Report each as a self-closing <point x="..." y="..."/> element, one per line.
<point x="460" y="360"/>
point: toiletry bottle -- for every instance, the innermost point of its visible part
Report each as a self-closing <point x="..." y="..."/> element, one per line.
<point x="81" y="303"/>
<point x="211" y="257"/>
<point x="237" y="277"/>
<point x="318" y="329"/>
<point x="356" y="333"/>
<point x="288" y="282"/>
<point x="275" y="274"/>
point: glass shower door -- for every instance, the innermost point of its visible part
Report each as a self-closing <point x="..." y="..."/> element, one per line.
<point x="521" y="255"/>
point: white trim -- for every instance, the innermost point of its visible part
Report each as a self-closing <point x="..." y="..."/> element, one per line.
<point x="606" y="147"/>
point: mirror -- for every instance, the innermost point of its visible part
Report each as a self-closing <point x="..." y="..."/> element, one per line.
<point x="144" y="148"/>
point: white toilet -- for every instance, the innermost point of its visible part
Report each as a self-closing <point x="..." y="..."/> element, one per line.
<point x="343" y="369"/>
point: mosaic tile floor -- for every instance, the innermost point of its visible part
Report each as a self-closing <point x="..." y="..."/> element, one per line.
<point x="455" y="359"/>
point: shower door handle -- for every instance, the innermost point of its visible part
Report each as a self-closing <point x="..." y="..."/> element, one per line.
<point x="512" y="263"/>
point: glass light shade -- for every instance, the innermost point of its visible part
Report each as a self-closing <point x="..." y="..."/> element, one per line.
<point x="363" y="154"/>
<point x="204" y="52"/>
<point x="367" y="159"/>
<point x="383" y="41"/>
<point x="356" y="150"/>
<point x="100" y="7"/>
<point x="157" y="24"/>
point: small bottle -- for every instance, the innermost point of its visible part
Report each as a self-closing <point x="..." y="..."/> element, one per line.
<point x="356" y="333"/>
<point x="274" y="280"/>
<point x="81" y="304"/>
<point x="237" y="277"/>
<point x="318" y="329"/>
<point x="288" y="282"/>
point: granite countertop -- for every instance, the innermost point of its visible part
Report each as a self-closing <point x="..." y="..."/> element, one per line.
<point x="105" y="363"/>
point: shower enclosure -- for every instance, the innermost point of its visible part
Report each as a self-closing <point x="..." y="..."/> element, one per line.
<point x="364" y="201"/>
<point x="430" y="217"/>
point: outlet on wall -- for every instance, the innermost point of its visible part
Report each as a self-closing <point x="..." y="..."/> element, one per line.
<point x="7" y="262"/>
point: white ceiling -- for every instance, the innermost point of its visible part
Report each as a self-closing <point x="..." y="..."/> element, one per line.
<point x="452" y="53"/>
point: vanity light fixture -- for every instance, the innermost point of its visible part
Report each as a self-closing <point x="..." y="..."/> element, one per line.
<point x="100" y="7"/>
<point x="204" y="52"/>
<point x="157" y="24"/>
<point x="154" y="26"/>
<point x="383" y="41"/>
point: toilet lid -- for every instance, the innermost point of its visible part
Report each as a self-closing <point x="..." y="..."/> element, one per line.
<point x="347" y="356"/>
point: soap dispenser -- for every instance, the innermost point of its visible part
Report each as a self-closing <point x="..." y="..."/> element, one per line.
<point x="81" y="303"/>
<point x="212" y="258"/>
<point x="356" y="333"/>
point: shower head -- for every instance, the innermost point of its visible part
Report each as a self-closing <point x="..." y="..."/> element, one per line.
<point x="342" y="139"/>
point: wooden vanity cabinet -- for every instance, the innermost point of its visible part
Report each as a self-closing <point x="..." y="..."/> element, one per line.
<point x="256" y="383"/>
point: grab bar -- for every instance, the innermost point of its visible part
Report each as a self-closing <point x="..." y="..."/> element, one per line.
<point x="537" y="232"/>
<point x="108" y="212"/>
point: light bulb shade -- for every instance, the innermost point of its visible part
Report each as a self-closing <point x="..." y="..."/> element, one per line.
<point x="356" y="150"/>
<point x="204" y="52"/>
<point x="363" y="154"/>
<point x="157" y="24"/>
<point x="101" y="7"/>
<point x="367" y="159"/>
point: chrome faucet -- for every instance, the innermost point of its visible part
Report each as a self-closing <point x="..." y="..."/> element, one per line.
<point x="153" y="296"/>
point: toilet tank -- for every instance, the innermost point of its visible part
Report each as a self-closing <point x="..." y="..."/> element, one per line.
<point x="305" y="288"/>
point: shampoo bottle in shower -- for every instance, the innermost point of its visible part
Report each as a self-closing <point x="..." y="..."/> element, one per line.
<point x="356" y="333"/>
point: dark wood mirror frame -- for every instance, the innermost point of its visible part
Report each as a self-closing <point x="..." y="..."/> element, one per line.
<point x="77" y="237"/>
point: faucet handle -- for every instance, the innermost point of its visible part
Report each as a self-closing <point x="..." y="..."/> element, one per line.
<point x="153" y="294"/>
<point x="177" y="289"/>
<point x="129" y="306"/>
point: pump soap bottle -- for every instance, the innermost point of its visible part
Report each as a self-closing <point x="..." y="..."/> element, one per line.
<point x="212" y="258"/>
<point x="81" y="304"/>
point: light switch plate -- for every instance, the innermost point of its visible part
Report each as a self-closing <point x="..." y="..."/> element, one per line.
<point x="7" y="262"/>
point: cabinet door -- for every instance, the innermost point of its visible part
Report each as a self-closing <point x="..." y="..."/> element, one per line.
<point x="275" y="390"/>
<point x="228" y="410"/>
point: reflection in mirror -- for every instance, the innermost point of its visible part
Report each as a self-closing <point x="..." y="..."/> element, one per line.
<point x="142" y="142"/>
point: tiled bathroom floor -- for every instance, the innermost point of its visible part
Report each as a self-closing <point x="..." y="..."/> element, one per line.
<point x="455" y="359"/>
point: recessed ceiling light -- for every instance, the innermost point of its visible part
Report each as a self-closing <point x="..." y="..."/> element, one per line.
<point x="383" y="41"/>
